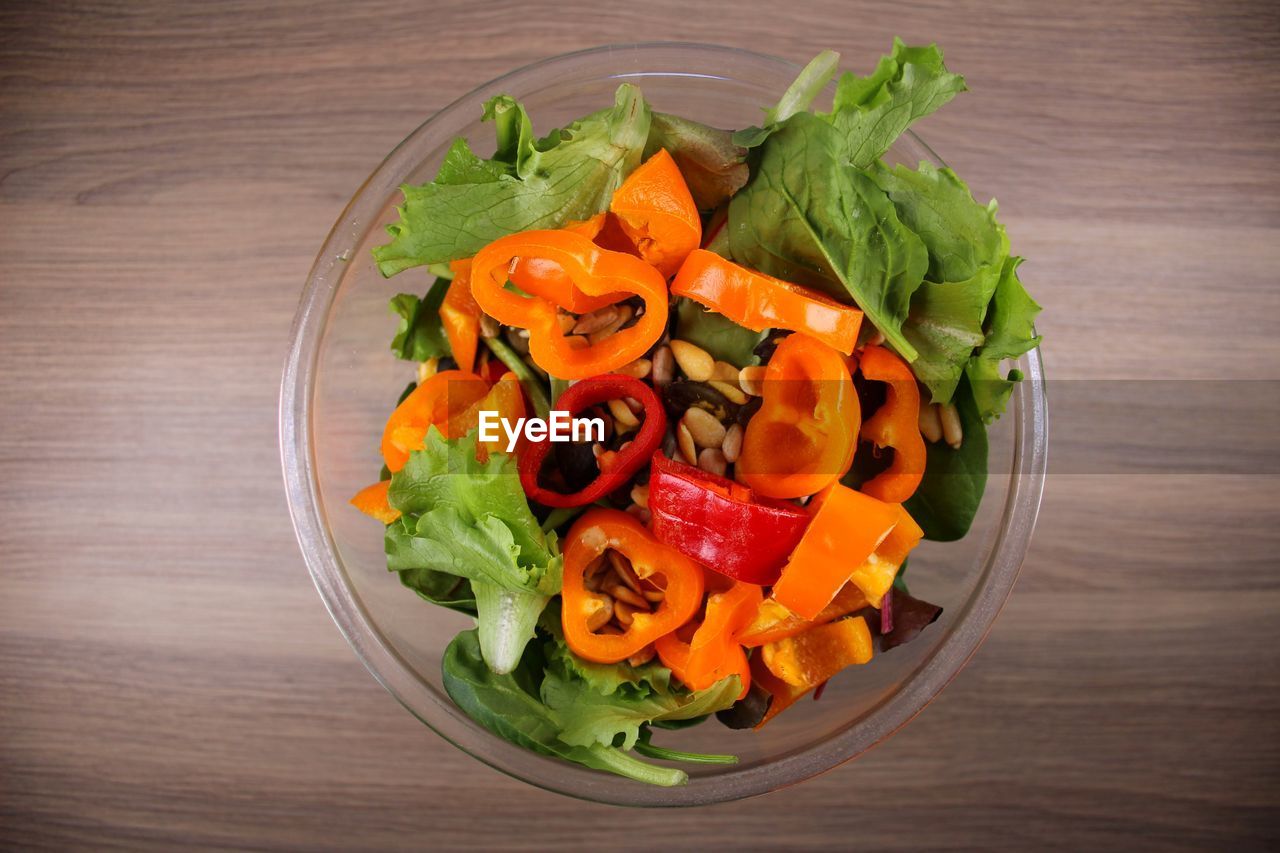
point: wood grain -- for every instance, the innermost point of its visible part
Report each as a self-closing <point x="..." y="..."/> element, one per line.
<point x="169" y="675"/>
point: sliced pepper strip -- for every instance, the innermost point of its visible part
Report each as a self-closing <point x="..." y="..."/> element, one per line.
<point x="809" y="659"/>
<point x="875" y="576"/>
<point x="760" y="302"/>
<point x="656" y="210"/>
<point x="720" y="523"/>
<point x="506" y="397"/>
<point x="782" y="695"/>
<point x="372" y="501"/>
<point x="626" y="462"/>
<point x="895" y="424"/>
<point x="847" y="527"/>
<point x="679" y="577"/>
<point x="592" y="270"/>
<point x="440" y="401"/>
<point x="713" y="652"/>
<point x="773" y="621"/>
<point x="540" y="277"/>
<point x="460" y="316"/>
<point x="804" y="435"/>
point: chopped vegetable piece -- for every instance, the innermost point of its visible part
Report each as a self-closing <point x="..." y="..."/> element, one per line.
<point x="713" y="652"/>
<point x="655" y="209"/>
<point x="594" y="271"/>
<point x="847" y="527"/>
<point x="760" y="302"/>
<point x="809" y="659"/>
<point x="781" y="695"/>
<point x="773" y="621"/>
<point x="876" y="574"/>
<point x="722" y="524"/>
<point x="460" y="316"/>
<point x="804" y="436"/>
<point x="896" y="424"/>
<point x="910" y="617"/>
<point x="441" y="401"/>
<point x="679" y="578"/>
<point x="625" y="463"/>
<point x="372" y="501"/>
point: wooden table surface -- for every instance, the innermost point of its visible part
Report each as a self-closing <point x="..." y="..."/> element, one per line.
<point x="169" y="674"/>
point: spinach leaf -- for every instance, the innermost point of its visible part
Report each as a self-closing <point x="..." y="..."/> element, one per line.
<point x="509" y="706"/>
<point x="420" y="335"/>
<point x="712" y="165"/>
<point x="808" y="217"/>
<point x="717" y="334"/>
<point x="1010" y="332"/>
<point x="949" y="494"/>
<point x="529" y="183"/>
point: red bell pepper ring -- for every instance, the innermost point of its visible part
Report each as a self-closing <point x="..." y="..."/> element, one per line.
<point x="722" y="524"/>
<point x="577" y="399"/>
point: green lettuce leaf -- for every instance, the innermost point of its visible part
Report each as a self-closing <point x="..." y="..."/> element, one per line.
<point x="944" y="325"/>
<point x="907" y="85"/>
<point x="712" y="165"/>
<point x="808" y="217"/>
<point x="1010" y="332"/>
<point x="440" y="588"/>
<point x="420" y="335"/>
<point x="471" y="519"/>
<point x="529" y="183"/>
<point x="811" y="80"/>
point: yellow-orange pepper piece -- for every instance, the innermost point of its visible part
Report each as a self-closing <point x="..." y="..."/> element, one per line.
<point x="656" y="210"/>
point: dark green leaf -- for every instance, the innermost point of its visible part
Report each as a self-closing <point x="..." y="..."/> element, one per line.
<point x="1010" y="332"/>
<point x="441" y="588"/>
<point x="420" y="335"/>
<point x="716" y="333"/>
<point x="949" y="494"/>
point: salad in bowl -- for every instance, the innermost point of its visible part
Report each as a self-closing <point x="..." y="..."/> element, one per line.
<point x="684" y="402"/>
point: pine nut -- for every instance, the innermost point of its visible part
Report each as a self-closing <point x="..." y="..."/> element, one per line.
<point x="596" y="320"/>
<point x="640" y="494"/>
<point x="685" y="440"/>
<point x="622" y="593"/>
<point x="643" y="656"/>
<point x="622" y="568"/>
<point x="951" y="429"/>
<point x="930" y="423"/>
<point x="663" y="367"/>
<point x="489" y="327"/>
<point x="730" y="390"/>
<point x="731" y="447"/>
<point x="623" y="614"/>
<point x="723" y="371"/>
<point x="427" y="369"/>
<point x="637" y="369"/>
<point x="751" y="379"/>
<point x="601" y="613"/>
<point x="713" y="461"/>
<point x="696" y="362"/>
<point x="567" y="321"/>
<point x="623" y="417"/>
<point x="703" y="427"/>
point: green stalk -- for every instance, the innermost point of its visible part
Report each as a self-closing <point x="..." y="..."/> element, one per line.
<point x="650" y="751"/>
<point x="558" y="387"/>
<point x="528" y="380"/>
<point x="617" y="761"/>
<point x="559" y="516"/>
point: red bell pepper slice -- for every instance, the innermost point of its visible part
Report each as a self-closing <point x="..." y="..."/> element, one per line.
<point x="722" y="524"/>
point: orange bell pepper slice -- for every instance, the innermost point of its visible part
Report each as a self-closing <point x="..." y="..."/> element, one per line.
<point x="451" y="401"/>
<point x="806" y="660"/>
<point x="460" y="317"/>
<point x="847" y="528"/>
<point x="679" y="577"/>
<point x="541" y="277"/>
<point x="506" y="397"/>
<point x="804" y="435"/>
<point x="713" y="652"/>
<point x="773" y="621"/>
<point x="760" y="302"/>
<point x="895" y="424"/>
<point x="590" y="269"/>
<point x="783" y="695"/>
<point x="656" y="210"/>
<point x="372" y="501"/>
<point x="876" y="574"/>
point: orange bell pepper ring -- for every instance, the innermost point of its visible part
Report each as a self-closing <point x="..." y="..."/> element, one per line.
<point x="876" y="574"/>
<point x="895" y="424"/>
<point x="540" y="277"/>
<point x="373" y="502"/>
<point x="592" y="270"/>
<point x="760" y="302"/>
<point x="847" y="528"/>
<point x="804" y="435"/>
<point x="656" y="210"/>
<point x="679" y="578"/>
<point x="460" y="317"/>
<point x="773" y="621"/>
<point x="451" y="401"/>
<point x="806" y="660"/>
<point x="713" y="652"/>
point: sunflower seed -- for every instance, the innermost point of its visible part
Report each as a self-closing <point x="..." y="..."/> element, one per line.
<point x="663" y="367"/>
<point x="596" y="320"/>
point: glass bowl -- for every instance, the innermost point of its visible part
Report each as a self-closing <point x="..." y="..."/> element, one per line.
<point x="340" y="383"/>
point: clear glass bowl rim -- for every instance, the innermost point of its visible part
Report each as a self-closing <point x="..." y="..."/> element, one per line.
<point x="1028" y="409"/>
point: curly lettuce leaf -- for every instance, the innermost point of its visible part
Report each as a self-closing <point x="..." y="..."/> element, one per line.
<point x="420" y="335"/>
<point x="529" y="183"/>
<point x="808" y="217"/>
<point x="1010" y="332"/>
